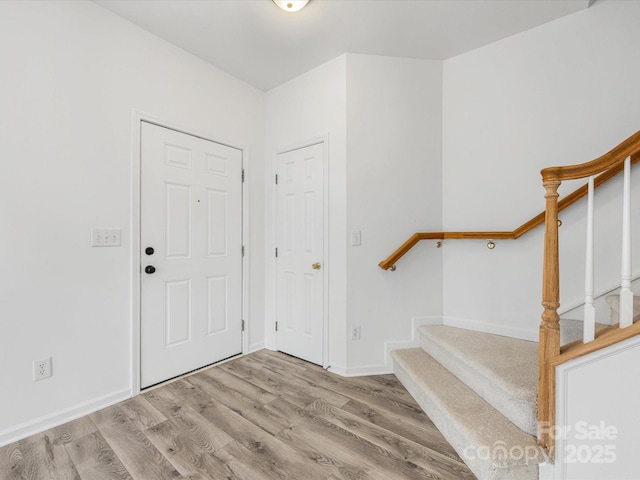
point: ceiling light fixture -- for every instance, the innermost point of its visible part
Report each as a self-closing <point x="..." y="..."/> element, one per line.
<point x="291" y="5"/>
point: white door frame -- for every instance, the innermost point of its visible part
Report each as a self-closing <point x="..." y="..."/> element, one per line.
<point x="138" y="116"/>
<point x="324" y="139"/>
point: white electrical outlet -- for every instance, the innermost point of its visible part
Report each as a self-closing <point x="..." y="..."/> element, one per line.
<point x="105" y="237"/>
<point x="355" y="332"/>
<point x="41" y="369"/>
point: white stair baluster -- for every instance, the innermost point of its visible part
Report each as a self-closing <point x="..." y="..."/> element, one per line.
<point x="589" y="309"/>
<point x="626" y="295"/>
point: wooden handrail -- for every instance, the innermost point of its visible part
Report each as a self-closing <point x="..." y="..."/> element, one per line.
<point x="629" y="148"/>
<point x="527" y="226"/>
<point x="549" y="352"/>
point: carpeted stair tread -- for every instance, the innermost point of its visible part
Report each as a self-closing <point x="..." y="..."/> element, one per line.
<point x="502" y="370"/>
<point x="614" y="305"/>
<point x="478" y="432"/>
<point x="572" y="330"/>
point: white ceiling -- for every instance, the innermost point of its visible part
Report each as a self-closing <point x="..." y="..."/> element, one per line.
<point x="257" y="42"/>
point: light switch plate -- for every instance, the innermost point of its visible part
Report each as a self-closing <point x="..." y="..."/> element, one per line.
<point x="105" y="237"/>
<point x="356" y="238"/>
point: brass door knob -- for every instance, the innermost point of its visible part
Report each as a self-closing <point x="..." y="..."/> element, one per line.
<point x="316" y="266"/>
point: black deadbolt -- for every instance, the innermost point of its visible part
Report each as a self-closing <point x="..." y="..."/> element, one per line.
<point x="149" y="250"/>
<point x="149" y="269"/>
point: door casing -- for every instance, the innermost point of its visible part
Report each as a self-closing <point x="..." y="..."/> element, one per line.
<point x="326" y="267"/>
<point x="137" y="117"/>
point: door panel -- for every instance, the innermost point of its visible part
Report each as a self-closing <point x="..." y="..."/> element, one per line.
<point x="177" y="213"/>
<point x="191" y="215"/>
<point x="300" y="240"/>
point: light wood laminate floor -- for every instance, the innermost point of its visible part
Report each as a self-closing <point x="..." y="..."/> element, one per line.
<point x="262" y="416"/>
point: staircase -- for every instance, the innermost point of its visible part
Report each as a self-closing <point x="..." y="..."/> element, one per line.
<point x="488" y="394"/>
<point x="480" y="390"/>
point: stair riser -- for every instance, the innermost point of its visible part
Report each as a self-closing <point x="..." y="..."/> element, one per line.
<point x="461" y="439"/>
<point x="614" y="303"/>
<point x="520" y="413"/>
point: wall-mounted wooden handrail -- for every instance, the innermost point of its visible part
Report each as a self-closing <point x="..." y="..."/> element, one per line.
<point x="535" y="221"/>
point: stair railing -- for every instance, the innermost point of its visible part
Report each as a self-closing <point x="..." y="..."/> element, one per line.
<point x="550" y="354"/>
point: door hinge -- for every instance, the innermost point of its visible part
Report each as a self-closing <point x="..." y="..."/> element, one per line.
<point x="276" y="178"/>
<point x="243" y="175"/>
<point x="243" y="250"/>
<point x="243" y="325"/>
<point x="276" y="326"/>
<point x="276" y="252"/>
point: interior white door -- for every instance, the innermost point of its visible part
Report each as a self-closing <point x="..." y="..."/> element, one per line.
<point x="191" y="258"/>
<point x="300" y="247"/>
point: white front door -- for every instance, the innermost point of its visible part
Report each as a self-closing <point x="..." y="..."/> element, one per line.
<point x="300" y="247"/>
<point x="191" y="258"/>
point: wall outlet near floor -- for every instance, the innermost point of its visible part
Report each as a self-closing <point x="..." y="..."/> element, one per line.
<point x="41" y="369"/>
<point x="355" y="332"/>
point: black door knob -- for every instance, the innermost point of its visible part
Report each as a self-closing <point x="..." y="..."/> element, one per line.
<point x="149" y="269"/>
<point x="149" y="250"/>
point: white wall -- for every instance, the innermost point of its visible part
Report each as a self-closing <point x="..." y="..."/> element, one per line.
<point x="394" y="189"/>
<point x="71" y="75"/>
<point x="73" y="72"/>
<point x="562" y="93"/>
<point x="305" y="108"/>
<point x="383" y="119"/>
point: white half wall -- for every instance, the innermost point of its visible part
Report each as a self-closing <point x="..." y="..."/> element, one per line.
<point x="597" y="415"/>
<point x="72" y="74"/>
<point x="562" y="93"/>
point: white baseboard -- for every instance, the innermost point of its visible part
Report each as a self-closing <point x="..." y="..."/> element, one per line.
<point x="414" y="340"/>
<point x="338" y="370"/>
<point x="360" y="371"/>
<point x="254" y="347"/>
<point x="364" y="370"/>
<point x="505" y="330"/>
<point x="387" y="367"/>
<point x="55" y="419"/>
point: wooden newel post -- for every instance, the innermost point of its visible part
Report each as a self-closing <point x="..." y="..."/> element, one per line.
<point x="550" y="327"/>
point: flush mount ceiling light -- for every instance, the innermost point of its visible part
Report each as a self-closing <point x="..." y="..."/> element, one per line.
<point x="291" y="5"/>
